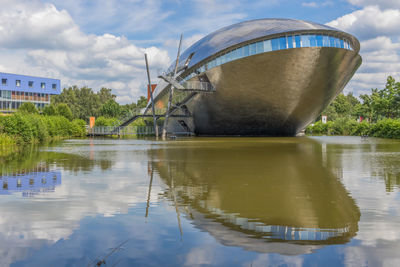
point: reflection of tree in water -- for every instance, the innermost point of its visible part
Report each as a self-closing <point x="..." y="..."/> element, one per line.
<point x="30" y="158"/>
<point x="270" y="191"/>
<point x="378" y="158"/>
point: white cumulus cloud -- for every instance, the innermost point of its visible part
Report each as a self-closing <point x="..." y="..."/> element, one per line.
<point x="46" y="41"/>
<point x="381" y="3"/>
<point x="378" y="29"/>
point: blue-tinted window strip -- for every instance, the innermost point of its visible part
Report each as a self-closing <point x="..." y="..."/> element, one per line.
<point x="281" y="43"/>
<point x="298" y="41"/>
<point x="290" y="42"/>
<point x="275" y="44"/>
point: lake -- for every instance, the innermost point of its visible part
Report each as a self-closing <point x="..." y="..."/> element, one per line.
<point x="300" y="201"/>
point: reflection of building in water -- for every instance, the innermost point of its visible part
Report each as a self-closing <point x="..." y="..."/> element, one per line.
<point x="262" y="196"/>
<point x="280" y="232"/>
<point x="30" y="182"/>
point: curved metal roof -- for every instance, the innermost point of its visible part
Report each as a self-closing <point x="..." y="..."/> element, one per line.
<point x="254" y="29"/>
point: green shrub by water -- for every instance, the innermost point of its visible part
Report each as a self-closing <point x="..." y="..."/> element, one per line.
<point x="386" y="128"/>
<point x="103" y="121"/>
<point x="33" y="128"/>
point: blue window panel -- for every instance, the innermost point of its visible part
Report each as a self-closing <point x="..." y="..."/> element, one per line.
<point x="305" y="41"/>
<point x="240" y="52"/>
<point x="259" y="47"/>
<point x="282" y="43"/>
<point x="228" y="57"/>
<point x="223" y="59"/>
<point x="313" y="40"/>
<point x="331" y="41"/>
<point x="234" y="54"/>
<point x="341" y="44"/>
<point x="297" y="40"/>
<point x="347" y="45"/>
<point x="290" y="41"/>
<point x="337" y="43"/>
<point x="252" y="49"/>
<point x="246" y="51"/>
<point x="267" y="46"/>
<point x="218" y="61"/>
<point x="275" y="44"/>
<point x="319" y="39"/>
<point x="325" y="41"/>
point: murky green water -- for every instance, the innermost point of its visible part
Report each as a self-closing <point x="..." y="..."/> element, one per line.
<point x="203" y="201"/>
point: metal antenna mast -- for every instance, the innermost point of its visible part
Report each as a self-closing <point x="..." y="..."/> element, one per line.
<point x="151" y="97"/>
<point x="171" y="92"/>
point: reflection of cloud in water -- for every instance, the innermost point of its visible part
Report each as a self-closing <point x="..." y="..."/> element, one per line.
<point x="370" y="171"/>
<point x="45" y="219"/>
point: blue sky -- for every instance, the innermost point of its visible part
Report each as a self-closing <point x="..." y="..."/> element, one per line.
<point x="101" y="42"/>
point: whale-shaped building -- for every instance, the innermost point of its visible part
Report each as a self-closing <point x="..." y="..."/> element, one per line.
<point x="268" y="77"/>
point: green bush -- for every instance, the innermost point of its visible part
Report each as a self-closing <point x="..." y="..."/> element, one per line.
<point x="28" y="108"/>
<point x="103" y="121"/>
<point x="64" y="110"/>
<point x="78" y="128"/>
<point x="18" y="125"/>
<point x="360" y="129"/>
<point x="31" y="128"/>
<point x="6" y="140"/>
<point x="49" y="110"/>
<point x="386" y="128"/>
<point x="39" y="128"/>
<point x="318" y="128"/>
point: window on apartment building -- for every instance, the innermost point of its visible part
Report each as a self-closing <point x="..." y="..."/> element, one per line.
<point x="30" y="84"/>
<point x="42" y="85"/>
<point x="17" y="82"/>
<point x="4" y="81"/>
<point x="54" y="86"/>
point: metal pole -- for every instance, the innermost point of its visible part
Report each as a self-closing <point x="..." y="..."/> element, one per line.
<point x="151" y="97"/>
<point x="148" y="195"/>
<point x="171" y="92"/>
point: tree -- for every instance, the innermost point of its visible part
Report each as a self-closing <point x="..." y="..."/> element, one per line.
<point x="142" y="102"/>
<point x="28" y="107"/>
<point x="105" y="95"/>
<point x="365" y="109"/>
<point x="64" y="110"/>
<point x="49" y="110"/>
<point x="341" y="105"/>
<point x="110" y="109"/>
<point x="83" y="102"/>
<point x="386" y="102"/>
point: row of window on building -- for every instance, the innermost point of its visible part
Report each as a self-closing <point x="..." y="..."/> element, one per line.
<point x="10" y="105"/>
<point x="24" y="96"/>
<point x="4" y="81"/>
<point x="14" y="99"/>
<point x="280" y="43"/>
